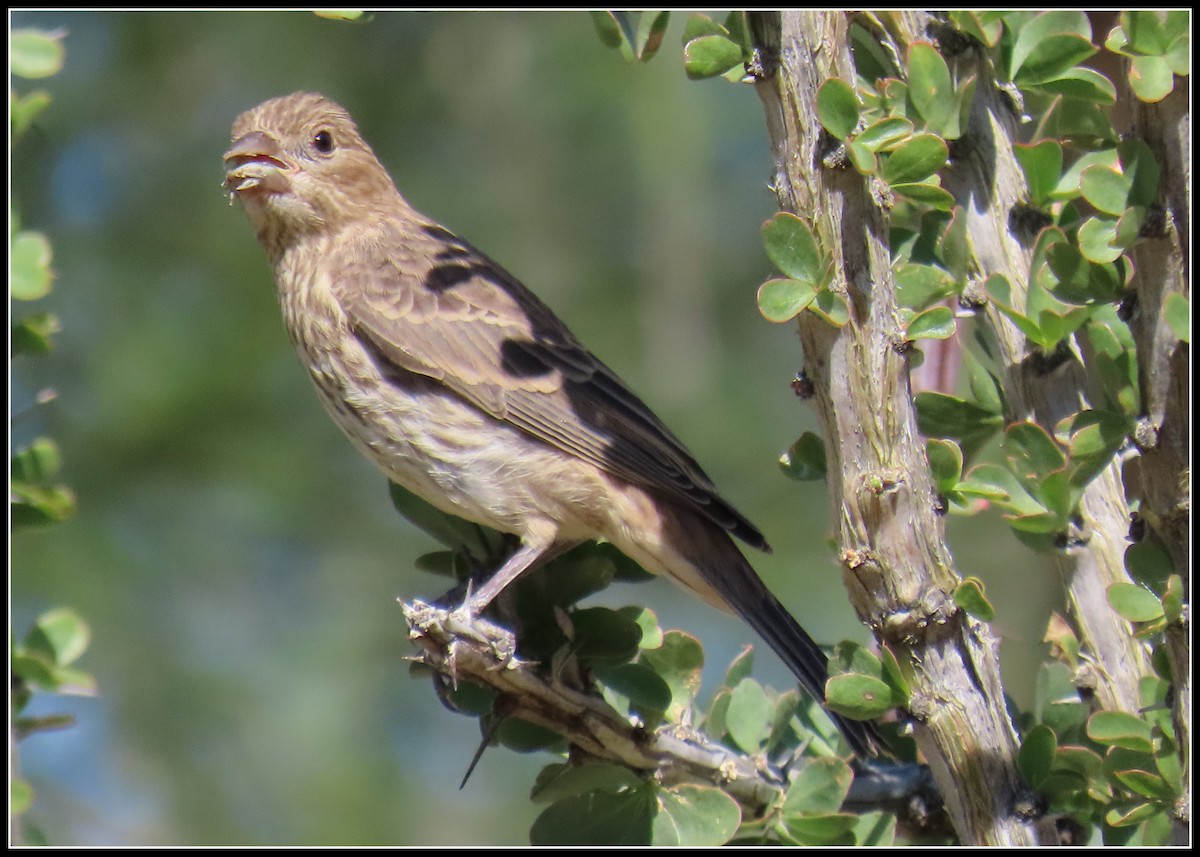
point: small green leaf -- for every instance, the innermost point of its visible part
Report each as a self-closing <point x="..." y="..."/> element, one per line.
<point x="1041" y="27"/>
<point x="1037" y="755"/>
<point x="791" y="245"/>
<point x="33" y="334"/>
<point x="748" y="717"/>
<point x="1120" y="729"/>
<point x="885" y="134"/>
<point x="1172" y="600"/>
<point x="969" y="595"/>
<point x="805" y="459"/>
<point x="827" y="829"/>
<point x="831" y="307"/>
<point x="1151" y="78"/>
<point x="29" y="266"/>
<point x="1054" y="57"/>
<point x="945" y="462"/>
<point x="930" y="87"/>
<point x="917" y="159"/>
<point x="559" y="781"/>
<point x="837" y="108"/>
<point x="1068" y="185"/>
<point x="645" y="689"/>
<point x="1146" y="784"/>
<point x="603" y="634"/>
<point x="935" y="323"/>
<point x="1134" y="603"/>
<point x="695" y="816"/>
<point x="33" y="53"/>
<point x="1177" y="310"/>
<point x="24" y="109"/>
<point x="940" y="415"/>
<point x="1148" y="563"/>
<point x="710" y="56"/>
<point x="858" y="696"/>
<point x="60" y="634"/>
<point x="862" y="157"/>
<point x="781" y="300"/>
<point x="1127" y="818"/>
<point x="680" y="662"/>
<point x="819" y="788"/>
<point x="521" y="736"/>
<point x="1032" y="453"/>
<point x="921" y="286"/>
<point x="598" y="818"/>
<point x="924" y="193"/>
<point x="1098" y="240"/>
<point x="1106" y="189"/>
<point x="1141" y="170"/>
<point x="651" y="27"/>
<point x="20" y="797"/>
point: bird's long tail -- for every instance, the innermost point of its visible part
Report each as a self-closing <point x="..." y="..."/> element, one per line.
<point x="721" y="575"/>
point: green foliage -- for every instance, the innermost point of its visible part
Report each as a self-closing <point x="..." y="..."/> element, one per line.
<point x="711" y="49"/>
<point x="1158" y="44"/>
<point x="43" y="661"/>
<point x="637" y="35"/>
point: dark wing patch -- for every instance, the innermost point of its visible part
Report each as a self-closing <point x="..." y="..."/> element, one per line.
<point x="441" y="309"/>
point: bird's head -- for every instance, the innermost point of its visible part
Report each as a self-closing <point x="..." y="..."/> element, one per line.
<point x="299" y="164"/>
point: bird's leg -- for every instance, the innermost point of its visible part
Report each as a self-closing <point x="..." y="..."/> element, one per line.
<point x="537" y="545"/>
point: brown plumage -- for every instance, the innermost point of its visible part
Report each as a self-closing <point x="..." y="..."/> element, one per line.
<point x="462" y="386"/>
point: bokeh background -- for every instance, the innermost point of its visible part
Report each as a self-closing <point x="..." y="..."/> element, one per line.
<point x="236" y="560"/>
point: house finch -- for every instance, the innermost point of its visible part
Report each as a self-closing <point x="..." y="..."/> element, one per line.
<point x="463" y="387"/>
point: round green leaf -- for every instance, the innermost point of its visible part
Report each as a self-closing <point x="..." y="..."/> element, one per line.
<point x="831" y="307"/>
<point x="1098" y="240"/>
<point x="33" y="53"/>
<point x="837" y="108"/>
<point x="923" y="193"/>
<point x="969" y="596"/>
<point x="695" y="816"/>
<point x="680" y="662"/>
<point x="929" y="86"/>
<point x="1134" y="603"/>
<point x="935" y="323"/>
<point x="1037" y="755"/>
<point x="1053" y="57"/>
<point x="1120" y="729"/>
<point x="945" y="461"/>
<point x="598" y="818"/>
<point x="642" y="686"/>
<point x="805" y="459"/>
<point x="1151" y="78"/>
<point x="862" y="157"/>
<point x="819" y="789"/>
<point x="1106" y="189"/>
<point x="29" y="266"/>
<point x="781" y="300"/>
<point x="885" y="134"/>
<point x="1177" y="310"/>
<point x="61" y="634"/>
<point x="917" y="159"/>
<point x="1042" y="165"/>
<point x="791" y="245"/>
<point x="827" y="829"/>
<point x="858" y="696"/>
<point x="709" y="56"/>
<point x="604" y="634"/>
<point x="748" y="718"/>
<point x="20" y="797"/>
<point x="559" y="781"/>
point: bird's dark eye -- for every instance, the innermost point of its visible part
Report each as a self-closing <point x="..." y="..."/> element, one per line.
<point x="323" y="142"/>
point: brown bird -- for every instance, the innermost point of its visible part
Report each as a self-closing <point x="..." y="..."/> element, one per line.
<point x="462" y="386"/>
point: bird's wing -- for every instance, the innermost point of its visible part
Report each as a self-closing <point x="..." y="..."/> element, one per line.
<point x="435" y="306"/>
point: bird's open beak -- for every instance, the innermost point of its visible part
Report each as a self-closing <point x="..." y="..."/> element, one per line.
<point x="254" y="163"/>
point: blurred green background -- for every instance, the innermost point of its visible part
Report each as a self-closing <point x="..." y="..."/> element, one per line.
<point x="237" y="561"/>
